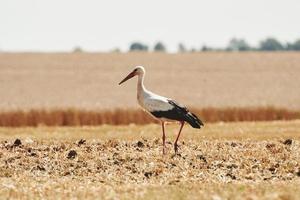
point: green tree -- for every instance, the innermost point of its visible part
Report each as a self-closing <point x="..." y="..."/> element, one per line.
<point x="238" y="45"/>
<point x="137" y="46"/>
<point x="181" y="48"/>
<point x="159" y="46"/>
<point x="206" y="48"/>
<point x="296" y="45"/>
<point x="271" y="44"/>
<point x="77" y="49"/>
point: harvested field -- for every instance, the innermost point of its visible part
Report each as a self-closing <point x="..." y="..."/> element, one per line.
<point x="255" y="160"/>
<point x="199" y="80"/>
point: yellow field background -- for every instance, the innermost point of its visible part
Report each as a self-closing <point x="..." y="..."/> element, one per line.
<point x="200" y="80"/>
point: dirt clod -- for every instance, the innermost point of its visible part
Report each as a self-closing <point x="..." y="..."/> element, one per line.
<point x="72" y="154"/>
<point x="33" y="154"/>
<point x="81" y="142"/>
<point x="148" y="174"/>
<point x="270" y="146"/>
<point x="41" y="168"/>
<point x="288" y="142"/>
<point x="233" y="177"/>
<point x="201" y="157"/>
<point x="140" y="144"/>
<point x="233" y="144"/>
<point x="272" y="169"/>
<point x="17" y="143"/>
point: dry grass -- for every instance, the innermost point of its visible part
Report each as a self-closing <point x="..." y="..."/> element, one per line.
<point x="75" y="117"/>
<point x="221" y="161"/>
<point x="200" y="80"/>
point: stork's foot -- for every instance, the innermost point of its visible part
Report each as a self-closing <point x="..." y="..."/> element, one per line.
<point x="176" y="148"/>
<point x="164" y="150"/>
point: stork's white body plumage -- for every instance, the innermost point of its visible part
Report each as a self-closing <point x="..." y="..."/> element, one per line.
<point x="148" y="100"/>
<point x="160" y="107"/>
<point x="153" y="102"/>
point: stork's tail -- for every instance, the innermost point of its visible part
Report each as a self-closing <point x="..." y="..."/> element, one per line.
<point x="193" y="120"/>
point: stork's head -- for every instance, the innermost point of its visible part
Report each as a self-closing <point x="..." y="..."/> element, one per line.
<point x="139" y="70"/>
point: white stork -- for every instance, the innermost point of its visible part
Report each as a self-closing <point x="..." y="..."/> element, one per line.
<point x="162" y="108"/>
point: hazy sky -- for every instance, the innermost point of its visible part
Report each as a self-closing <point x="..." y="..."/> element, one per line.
<point x="96" y="25"/>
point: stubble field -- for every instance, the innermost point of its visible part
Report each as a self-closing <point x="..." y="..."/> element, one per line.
<point x="222" y="161"/>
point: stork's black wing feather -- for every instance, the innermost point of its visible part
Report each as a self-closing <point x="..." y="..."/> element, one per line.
<point x="179" y="113"/>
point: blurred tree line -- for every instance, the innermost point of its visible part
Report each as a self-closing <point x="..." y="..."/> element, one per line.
<point x="138" y="46"/>
<point x="235" y="44"/>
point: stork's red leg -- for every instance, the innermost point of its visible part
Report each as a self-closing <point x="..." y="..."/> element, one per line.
<point x="163" y="137"/>
<point x="175" y="143"/>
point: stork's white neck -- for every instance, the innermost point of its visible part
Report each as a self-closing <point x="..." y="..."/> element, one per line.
<point x="140" y="84"/>
<point x="141" y="90"/>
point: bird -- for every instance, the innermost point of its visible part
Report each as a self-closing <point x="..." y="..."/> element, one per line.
<point x="162" y="108"/>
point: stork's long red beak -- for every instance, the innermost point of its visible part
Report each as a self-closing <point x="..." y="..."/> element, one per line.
<point x="132" y="74"/>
